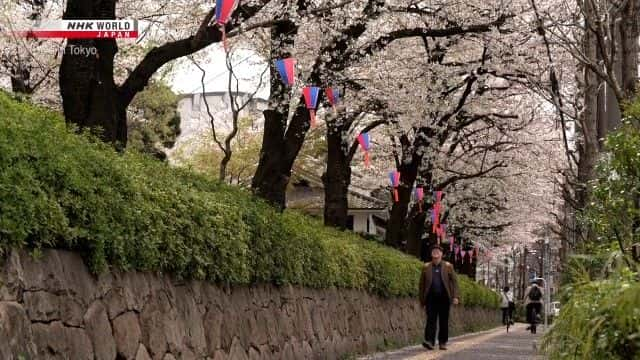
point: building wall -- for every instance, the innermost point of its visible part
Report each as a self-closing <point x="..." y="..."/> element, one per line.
<point x="360" y="223"/>
<point x="195" y="123"/>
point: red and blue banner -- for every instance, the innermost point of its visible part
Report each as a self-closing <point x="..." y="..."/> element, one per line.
<point x="394" y="178"/>
<point x="310" y="94"/>
<point x="224" y="8"/>
<point x="363" y="140"/>
<point x="333" y="96"/>
<point x="286" y="69"/>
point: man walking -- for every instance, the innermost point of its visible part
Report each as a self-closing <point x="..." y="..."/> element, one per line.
<point x="438" y="290"/>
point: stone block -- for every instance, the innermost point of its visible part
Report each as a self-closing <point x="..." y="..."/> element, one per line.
<point x="15" y="331"/>
<point x="99" y="331"/>
<point x="127" y="334"/>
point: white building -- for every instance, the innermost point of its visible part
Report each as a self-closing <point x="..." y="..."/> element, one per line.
<point x="195" y="122"/>
<point x="250" y="81"/>
<point x="366" y="214"/>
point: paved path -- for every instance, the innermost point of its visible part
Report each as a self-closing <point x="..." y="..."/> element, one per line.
<point x="495" y="344"/>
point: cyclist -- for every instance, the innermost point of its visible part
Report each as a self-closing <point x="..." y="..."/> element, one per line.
<point x="507" y="306"/>
<point x="533" y="303"/>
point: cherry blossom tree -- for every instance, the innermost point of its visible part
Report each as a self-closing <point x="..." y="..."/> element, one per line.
<point x="29" y="63"/>
<point x="92" y="98"/>
<point x="343" y="48"/>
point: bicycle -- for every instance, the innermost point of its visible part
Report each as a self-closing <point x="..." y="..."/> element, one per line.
<point x="534" y="320"/>
<point x="510" y="312"/>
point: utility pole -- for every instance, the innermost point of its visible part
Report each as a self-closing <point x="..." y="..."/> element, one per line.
<point x="546" y="259"/>
<point x="524" y="271"/>
<point x="506" y="271"/>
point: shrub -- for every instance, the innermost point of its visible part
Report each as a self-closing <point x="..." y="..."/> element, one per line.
<point x="600" y="320"/>
<point x="69" y="191"/>
<point x="474" y="294"/>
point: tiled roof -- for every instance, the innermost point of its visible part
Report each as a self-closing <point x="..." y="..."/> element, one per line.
<point x="315" y="200"/>
<point x="310" y="199"/>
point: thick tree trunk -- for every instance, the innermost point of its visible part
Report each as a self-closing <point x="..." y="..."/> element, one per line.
<point x="418" y="220"/>
<point x="90" y="98"/>
<point x="280" y="147"/>
<point x="336" y="179"/>
<point x="280" y="143"/>
<point x="19" y="79"/>
<point x="629" y="47"/>
<point x="396" y="233"/>
<point x="588" y="147"/>
<point x="415" y="245"/>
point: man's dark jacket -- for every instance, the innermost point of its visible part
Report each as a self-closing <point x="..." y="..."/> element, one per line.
<point x="448" y="279"/>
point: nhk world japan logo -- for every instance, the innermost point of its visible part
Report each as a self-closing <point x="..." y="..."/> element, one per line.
<point x="84" y="29"/>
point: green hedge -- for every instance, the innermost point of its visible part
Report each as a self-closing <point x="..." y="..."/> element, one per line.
<point x="62" y="190"/>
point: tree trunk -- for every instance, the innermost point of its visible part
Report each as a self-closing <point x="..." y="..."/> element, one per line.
<point x="224" y="163"/>
<point x="629" y="48"/>
<point x="280" y="143"/>
<point x="588" y="148"/>
<point x="90" y="98"/>
<point x="19" y="78"/>
<point x="396" y="233"/>
<point x="415" y="245"/>
<point x="336" y="178"/>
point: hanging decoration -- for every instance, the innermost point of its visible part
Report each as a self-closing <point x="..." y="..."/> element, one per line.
<point x="363" y="140"/>
<point x="286" y="69"/>
<point x="333" y="96"/>
<point x="394" y="178"/>
<point x="452" y="241"/>
<point x="419" y="193"/>
<point x="310" y="94"/>
<point x="436" y="217"/>
<point x="224" y="8"/>
<point x="437" y="209"/>
<point x="464" y="253"/>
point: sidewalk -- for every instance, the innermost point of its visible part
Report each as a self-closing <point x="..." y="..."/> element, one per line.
<point x="494" y="344"/>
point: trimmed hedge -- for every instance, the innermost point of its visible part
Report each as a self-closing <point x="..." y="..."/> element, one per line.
<point x="62" y="190"/>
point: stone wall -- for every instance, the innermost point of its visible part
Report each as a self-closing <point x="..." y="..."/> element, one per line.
<point x="52" y="308"/>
